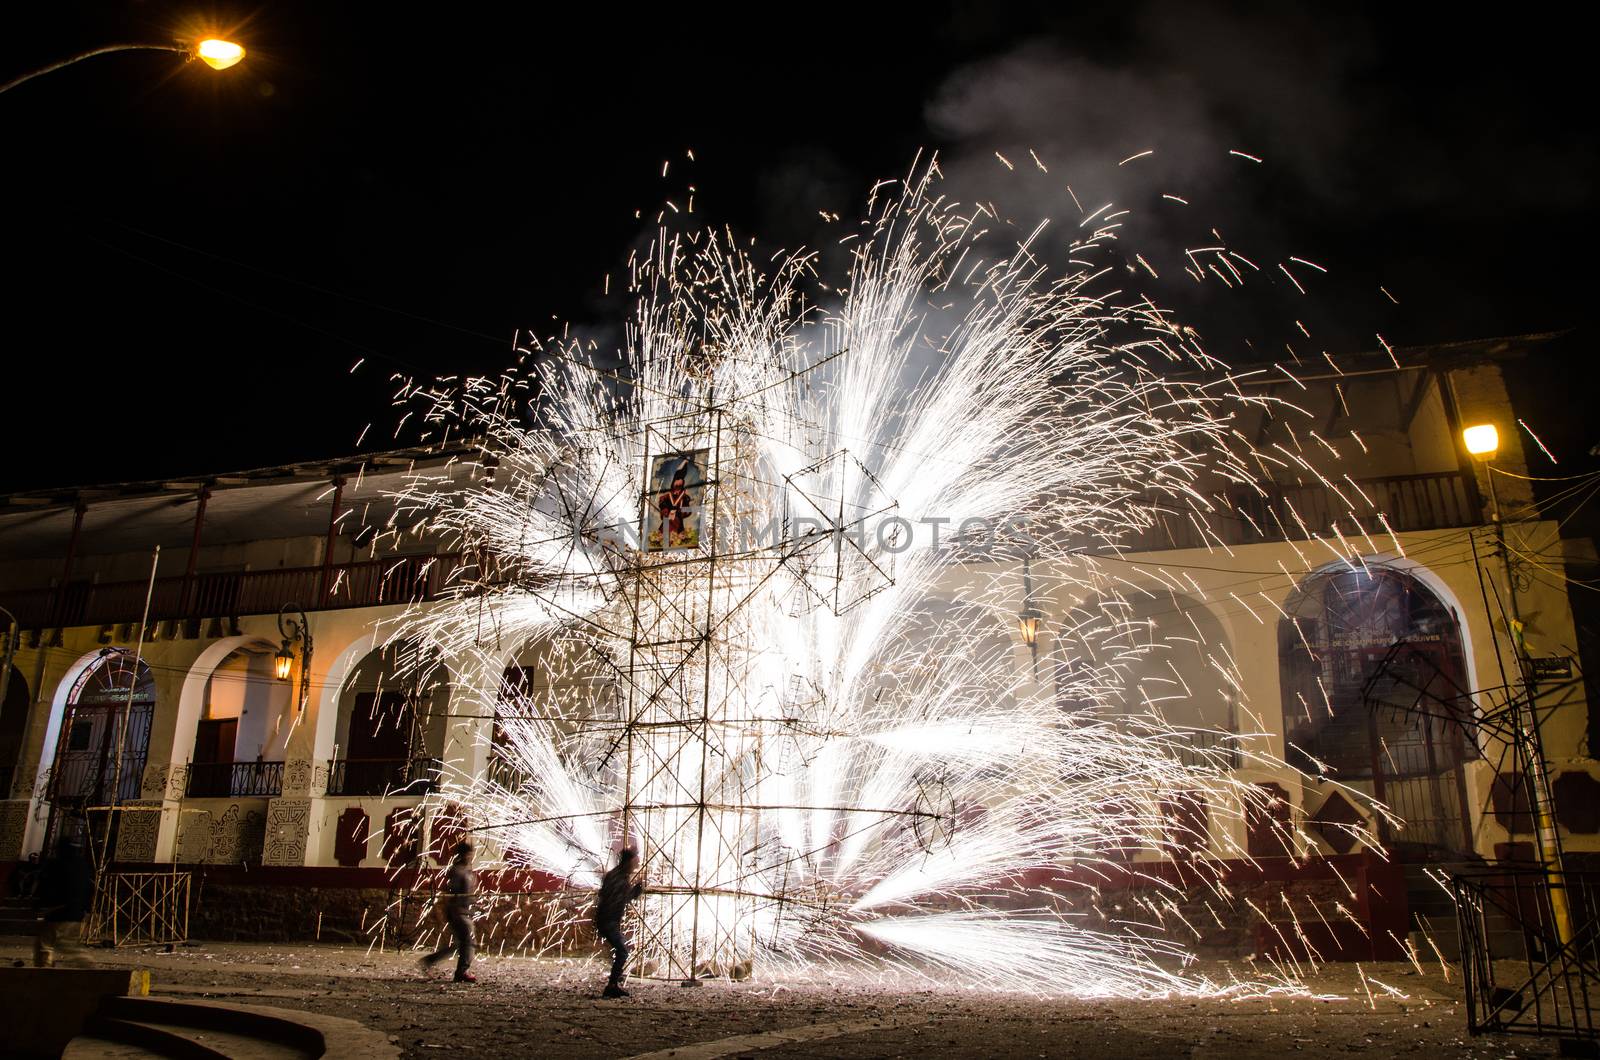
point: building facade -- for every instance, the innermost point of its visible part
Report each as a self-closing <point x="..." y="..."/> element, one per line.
<point x="212" y="656"/>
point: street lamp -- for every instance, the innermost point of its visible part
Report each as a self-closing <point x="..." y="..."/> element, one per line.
<point x="1482" y="440"/>
<point x="219" y="54"/>
<point x="215" y="52"/>
<point x="283" y="662"/>
<point x="1028" y="618"/>
<point x="291" y="631"/>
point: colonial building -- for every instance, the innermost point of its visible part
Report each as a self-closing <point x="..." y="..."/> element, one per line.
<point x="209" y="655"/>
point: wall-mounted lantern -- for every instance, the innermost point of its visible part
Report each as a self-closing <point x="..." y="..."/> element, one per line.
<point x="294" y="631"/>
<point x="1029" y="617"/>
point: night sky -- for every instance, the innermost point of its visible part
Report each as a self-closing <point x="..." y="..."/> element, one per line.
<point x="198" y="258"/>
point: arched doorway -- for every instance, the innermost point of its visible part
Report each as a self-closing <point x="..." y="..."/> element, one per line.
<point x="105" y="735"/>
<point x="390" y="727"/>
<point x="104" y="739"/>
<point x="240" y="733"/>
<point x="1340" y="628"/>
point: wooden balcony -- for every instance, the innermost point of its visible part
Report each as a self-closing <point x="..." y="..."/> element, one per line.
<point x="396" y="580"/>
<point x="1284" y="512"/>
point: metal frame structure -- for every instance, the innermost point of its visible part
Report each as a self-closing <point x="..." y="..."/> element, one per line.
<point x="1552" y="989"/>
<point x="693" y="744"/>
<point x="140" y="909"/>
<point x="1554" y="994"/>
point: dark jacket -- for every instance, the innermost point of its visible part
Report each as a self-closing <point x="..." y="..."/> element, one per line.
<point x="617" y="889"/>
<point x="67" y="883"/>
<point x="460" y="883"/>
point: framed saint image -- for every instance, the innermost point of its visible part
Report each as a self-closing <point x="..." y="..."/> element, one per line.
<point x="675" y="491"/>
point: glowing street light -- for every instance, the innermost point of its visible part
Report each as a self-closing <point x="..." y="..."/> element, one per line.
<point x="1482" y="440"/>
<point x="283" y="661"/>
<point x="215" y="52"/>
<point x="1028" y="618"/>
<point x="219" y="54"/>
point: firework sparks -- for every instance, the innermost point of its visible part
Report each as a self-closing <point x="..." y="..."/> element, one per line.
<point x="797" y="697"/>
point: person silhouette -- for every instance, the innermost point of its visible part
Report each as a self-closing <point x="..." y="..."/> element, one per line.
<point x="617" y="889"/>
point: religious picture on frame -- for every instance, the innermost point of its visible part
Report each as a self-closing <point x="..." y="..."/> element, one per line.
<point x="675" y="490"/>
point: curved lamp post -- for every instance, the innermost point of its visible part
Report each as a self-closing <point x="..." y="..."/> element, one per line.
<point x="283" y="662"/>
<point x="213" y="51"/>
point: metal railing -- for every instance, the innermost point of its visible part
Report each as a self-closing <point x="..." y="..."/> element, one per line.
<point x="1282" y="512"/>
<point x="398" y="579"/>
<point x="86" y="775"/>
<point x="1550" y="984"/>
<point x="221" y="780"/>
<point x="383" y="776"/>
<point x="1205" y="748"/>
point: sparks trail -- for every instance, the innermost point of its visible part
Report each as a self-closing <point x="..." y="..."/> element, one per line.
<point x="827" y="751"/>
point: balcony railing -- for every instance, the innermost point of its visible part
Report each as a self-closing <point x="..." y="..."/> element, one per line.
<point x="1205" y="748"/>
<point x="221" y="780"/>
<point x="1244" y="516"/>
<point x="84" y="775"/>
<point x="383" y="776"/>
<point x="396" y="580"/>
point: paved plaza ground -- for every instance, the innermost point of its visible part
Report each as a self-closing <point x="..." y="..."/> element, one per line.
<point x="525" y="1007"/>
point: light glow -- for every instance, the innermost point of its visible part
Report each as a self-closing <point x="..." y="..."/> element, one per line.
<point x="1482" y="439"/>
<point x="219" y="54"/>
<point x="819" y="741"/>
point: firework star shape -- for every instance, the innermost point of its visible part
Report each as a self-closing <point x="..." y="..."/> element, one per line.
<point x="809" y="715"/>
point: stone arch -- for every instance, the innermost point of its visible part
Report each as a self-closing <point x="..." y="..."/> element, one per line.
<point x="66" y="688"/>
<point x="338" y="672"/>
<point x="255" y="736"/>
<point x="388" y="724"/>
<point x="192" y="694"/>
<point x="1345" y="625"/>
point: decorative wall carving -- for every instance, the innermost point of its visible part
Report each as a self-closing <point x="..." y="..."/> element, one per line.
<point x="297" y="777"/>
<point x="288" y="827"/>
<point x="13" y="826"/>
<point x="177" y="781"/>
<point x="194" y="836"/>
<point x="153" y="785"/>
<point x="139" y="824"/>
<point x="22" y="784"/>
<point x="225" y="837"/>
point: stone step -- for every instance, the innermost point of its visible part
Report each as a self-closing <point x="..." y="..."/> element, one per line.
<point x="153" y="1039"/>
<point x="184" y="1042"/>
<point x="1505" y="938"/>
<point x="87" y="1047"/>
<point x="203" y="1029"/>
